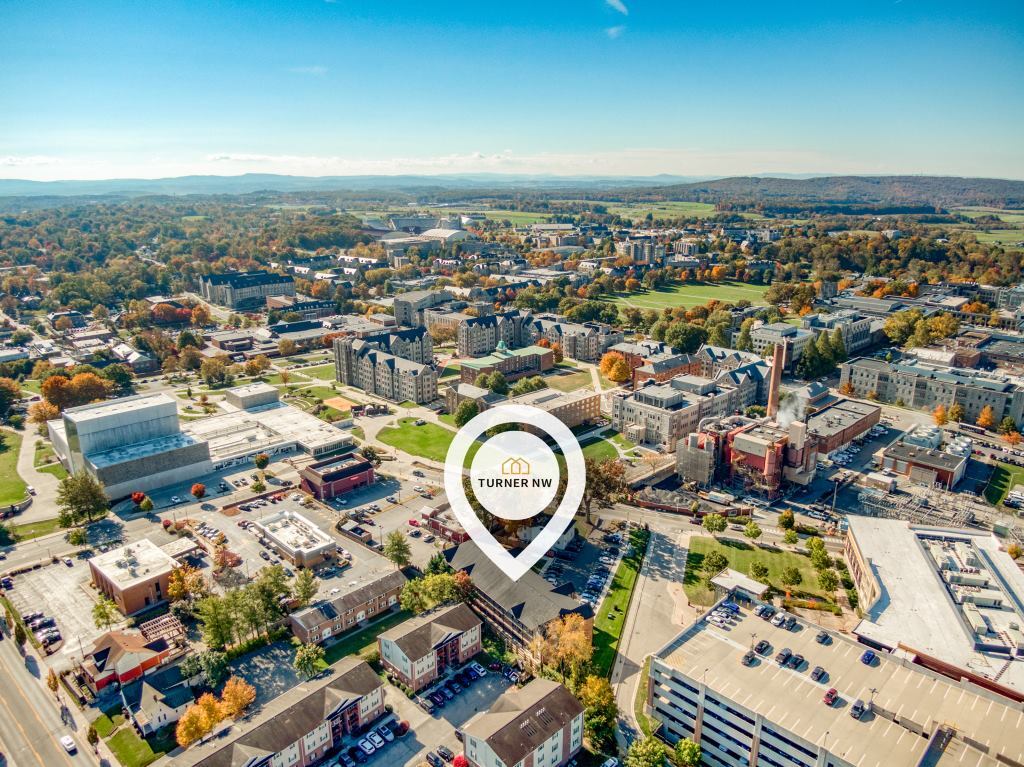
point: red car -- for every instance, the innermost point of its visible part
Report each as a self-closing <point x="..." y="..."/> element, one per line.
<point x="831" y="697"/>
<point x="414" y="522"/>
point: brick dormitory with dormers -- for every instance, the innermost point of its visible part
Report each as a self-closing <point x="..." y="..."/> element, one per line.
<point x="419" y="650"/>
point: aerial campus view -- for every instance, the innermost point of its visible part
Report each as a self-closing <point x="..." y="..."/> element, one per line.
<point x="609" y="383"/>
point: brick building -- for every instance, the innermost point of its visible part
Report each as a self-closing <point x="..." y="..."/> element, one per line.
<point x="134" y="576"/>
<point x="539" y="725"/>
<point x="419" y="650"/>
<point x="512" y="363"/>
<point x="336" y="476"/>
<point x="341" y="613"/>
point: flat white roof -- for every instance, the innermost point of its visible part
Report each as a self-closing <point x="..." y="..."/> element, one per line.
<point x="111" y="407"/>
<point x="134" y="563"/>
<point x="916" y="609"/>
<point x="296" y="533"/>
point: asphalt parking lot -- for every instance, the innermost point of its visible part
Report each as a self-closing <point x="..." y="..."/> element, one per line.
<point x="585" y="563"/>
<point x="427" y="731"/>
<point x="63" y="593"/>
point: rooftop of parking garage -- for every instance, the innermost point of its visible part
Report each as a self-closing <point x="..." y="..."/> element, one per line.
<point x="791" y="700"/>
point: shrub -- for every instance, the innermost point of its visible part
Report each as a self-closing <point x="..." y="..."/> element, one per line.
<point x="166" y="524"/>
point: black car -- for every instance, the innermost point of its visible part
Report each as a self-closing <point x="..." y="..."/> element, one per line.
<point x="823" y="638"/>
<point x="434" y="759"/>
<point x="357" y="754"/>
<point x="445" y="753"/>
<point x="767" y="612"/>
<point x="762" y="647"/>
<point x="790" y="623"/>
<point x="782" y="656"/>
<point x="817" y="673"/>
<point x="748" y="658"/>
<point x="795" y="661"/>
<point x="454" y="686"/>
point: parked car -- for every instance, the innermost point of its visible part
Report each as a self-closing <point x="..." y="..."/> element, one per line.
<point x="817" y="673"/>
<point x="445" y="753"/>
<point x="375" y="739"/>
<point x="823" y="638"/>
<point x="783" y="655"/>
<point x="858" y="709"/>
<point x="69" y="744"/>
<point x="795" y="661"/>
<point x="868" y="658"/>
<point x="762" y="647"/>
<point x="386" y="733"/>
<point x="748" y="658"/>
<point x="366" y="746"/>
<point x="434" y="759"/>
<point x="479" y="669"/>
<point x="831" y="697"/>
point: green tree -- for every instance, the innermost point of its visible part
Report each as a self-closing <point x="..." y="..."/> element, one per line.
<point x="714" y="523"/>
<point x="791" y="576"/>
<point x="370" y="453"/>
<point x="820" y="559"/>
<point x="828" y="581"/>
<point x="262" y="460"/>
<point x="647" y="752"/>
<point x="743" y="341"/>
<point x="305" y="586"/>
<point x="307" y="658"/>
<point x="687" y="753"/>
<point x="497" y="383"/>
<point x="465" y="412"/>
<point x="604" y="481"/>
<point x="759" y="572"/>
<point x="92" y="737"/>
<point x="786" y="520"/>
<point x="438" y="564"/>
<point x="752" y="530"/>
<point x="956" y="412"/>
<point x="19" y="635"/>
<point x="1007" y="425"/>
<point x="80" y="498"/>
<point x="77" y="536"/>
<point x="838" y="346"/>
<point x="714" y="562"/>
<point x="217" y="621"/>
<point x="104" y="613"/>
<point x="214" y="666"/>
<point x="396" y="548"/>
<point x="146" y="505"/>
<point x="791" y="537"/>
<point x="600" y="711"/>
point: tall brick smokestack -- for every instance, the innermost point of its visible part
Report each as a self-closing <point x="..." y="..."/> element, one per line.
<point x="778" y="360"/>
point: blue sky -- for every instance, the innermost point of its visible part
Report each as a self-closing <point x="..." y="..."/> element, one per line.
<point x="111" y="89"/>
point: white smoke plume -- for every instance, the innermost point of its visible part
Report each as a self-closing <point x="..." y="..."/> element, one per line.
<point x="791" y="408"/>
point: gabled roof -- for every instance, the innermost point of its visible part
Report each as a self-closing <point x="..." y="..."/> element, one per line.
<point x="418" y="636"/>
<point x="165" y="686"/>
<point x="531" y="600"/>
<point x="121" y="651"/>
<point x="520" y="720"/>
<point x="329" y="609"/>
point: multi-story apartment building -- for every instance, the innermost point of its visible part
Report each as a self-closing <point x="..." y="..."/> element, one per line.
<point x="419" y="650"/>
<point x="660" y="414"/>
<point x="855" y="327"/>
<point x="409" y="306"/>
<point x="478" y="336"/>
<point x="767" y="336"/>
<point x="925" y="387"/>
<point x="307" y="308"/>
<point x="245" y="290"/>
<point x="313" y="720"/>
<point x="376" y="365"/>
<point x="585" y="341"/>
<point x="344" y="612"/>
<point x="512" y="363"/>
<point x="517" y="611"/>
<point x="539" y="725"/>
<point x="761" y="712"/>
<point x="571" y="408"/>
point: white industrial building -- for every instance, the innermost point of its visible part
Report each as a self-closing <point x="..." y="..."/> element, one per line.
<point x="296" y="538"/>
<point x="138" y="443"/>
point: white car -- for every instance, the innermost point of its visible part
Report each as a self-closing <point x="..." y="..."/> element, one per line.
<point x="376" y="740"/>
<point x="31" y="490"/>
<point x="175" y="499"/>
<point x="479" y="669"/>
<point x="366" y="747"/>
<point x="69" y="744"/>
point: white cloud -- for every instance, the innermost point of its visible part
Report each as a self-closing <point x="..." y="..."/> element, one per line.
<point x="316" y="70"/>
<point x="614" y="33"/>
<point x="28" y="161"/>
<point x="618" y="5"/>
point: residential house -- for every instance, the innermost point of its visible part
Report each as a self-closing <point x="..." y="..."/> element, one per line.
<point x="332" y="617"/>
<point x="419" y="650"/>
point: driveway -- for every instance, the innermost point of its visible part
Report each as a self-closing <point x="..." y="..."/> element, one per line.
<point x="44" y="503"/>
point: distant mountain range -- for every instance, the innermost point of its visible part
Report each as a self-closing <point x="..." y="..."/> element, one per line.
<point x="777" y="191"/>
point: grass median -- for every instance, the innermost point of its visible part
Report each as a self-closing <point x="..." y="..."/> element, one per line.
<point x="611" y="614"/>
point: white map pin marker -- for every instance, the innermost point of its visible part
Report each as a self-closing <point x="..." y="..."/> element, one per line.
<point x="514" y="476"/>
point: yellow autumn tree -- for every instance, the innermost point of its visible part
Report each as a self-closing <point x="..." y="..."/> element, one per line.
<point x="986" y="418"/>
<point x="190" y="727"/>
<point x="939" y="415"/>
<point x="237" y="696"/>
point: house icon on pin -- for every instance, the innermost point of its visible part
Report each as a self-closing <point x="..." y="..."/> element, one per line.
<point x="515" y="467"/>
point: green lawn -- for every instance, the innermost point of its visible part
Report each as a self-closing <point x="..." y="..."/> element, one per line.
<point x="618" y="439"/>
<point x="428" y="441"/>
<point x="1009" y="216"/>
<point x="1006" y="237"/>
<point x="611" y="614"/>
<point x="323" y="372"/>
<point x="12" y="487"/>
<point x="55" y="469"/>
<point x="32" y="385"/>
<point x="741" y="555"/>
<point x="364" y="640"/>
<point x="448" y="418"/>
<point x="599" y="450"/>
<point x="568" y="381"/>
<point x="29" y="530"/>
<point x="1004" y="478"/>
<point x="131" y="750"/>
<point x="449" y="371"/>
<point x="693" y="294"/>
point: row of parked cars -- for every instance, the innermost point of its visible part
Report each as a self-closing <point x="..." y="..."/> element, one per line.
<point x="44" y="627"/>
<point x="444" y="692"/>
<point x="374" y="741"/>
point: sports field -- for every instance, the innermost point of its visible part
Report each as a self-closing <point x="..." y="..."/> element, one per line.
<point x="693" y="294"/>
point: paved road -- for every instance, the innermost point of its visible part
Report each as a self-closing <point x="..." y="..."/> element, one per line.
<point x="30" y="723"/>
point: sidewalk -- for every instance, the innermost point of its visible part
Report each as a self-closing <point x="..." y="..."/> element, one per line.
<point x="44" y="503"/>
